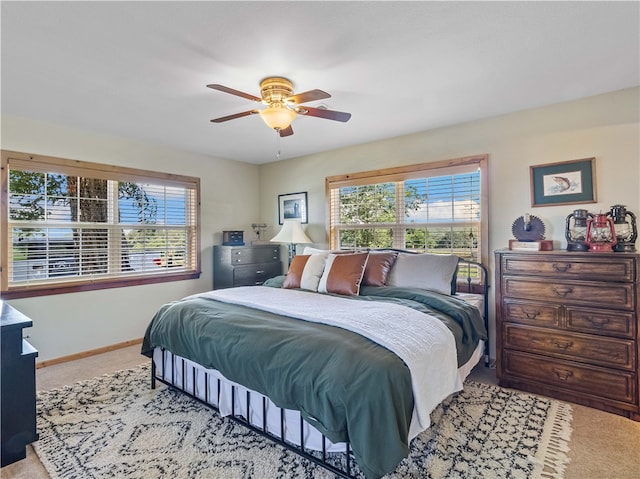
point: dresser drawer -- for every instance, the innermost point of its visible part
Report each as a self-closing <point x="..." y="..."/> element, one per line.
<point x="601" y="382"/>
<point x="245" y="265"/>
<point x="254" y="255"/>
<point x="255" y="274"/>
<point x="601" y="321"/>
<point x="535" y="314"/>
<point x="613" y="295"/>
<point x="619" y="353"/>
<point x="589" y="267"/>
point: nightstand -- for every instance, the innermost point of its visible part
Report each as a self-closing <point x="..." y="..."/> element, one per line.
<point x="245" y="265"/>
<point x="18" y="386"/>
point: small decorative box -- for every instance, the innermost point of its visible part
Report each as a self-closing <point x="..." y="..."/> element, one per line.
<point x="233" y="238"/>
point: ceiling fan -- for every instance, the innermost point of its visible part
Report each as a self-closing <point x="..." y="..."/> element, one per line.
<point x="282" y="104"/>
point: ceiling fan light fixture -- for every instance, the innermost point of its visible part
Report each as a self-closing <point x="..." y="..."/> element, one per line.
<point x="277" y="116"/>
<point x="281" y="105"/>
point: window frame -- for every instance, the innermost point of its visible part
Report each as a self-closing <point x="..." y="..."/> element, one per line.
<point x="49" y="164"/>
<point x="402" y="173"/>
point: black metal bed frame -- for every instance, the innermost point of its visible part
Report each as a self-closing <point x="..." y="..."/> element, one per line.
<point x="342" y="464"/>
<point x="481" y="287"/>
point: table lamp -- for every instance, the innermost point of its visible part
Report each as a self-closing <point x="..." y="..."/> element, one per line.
<point x="292" y="234"/>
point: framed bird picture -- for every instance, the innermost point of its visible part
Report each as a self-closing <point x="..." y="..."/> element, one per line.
<point x="564" y="183"/>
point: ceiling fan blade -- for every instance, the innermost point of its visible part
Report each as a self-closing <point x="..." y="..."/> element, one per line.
<point x="242" y="94"/>
<point x="288" y="131"/>
<point x="234" y="116"/>
<point x="322" y="113"/>
<point x="306" y="96"/>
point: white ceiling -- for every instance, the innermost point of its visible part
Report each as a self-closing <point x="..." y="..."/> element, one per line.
<point x="140" y="69"/>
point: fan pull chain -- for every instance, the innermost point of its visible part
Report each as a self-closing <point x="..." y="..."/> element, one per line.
<point x="278" y="145"/>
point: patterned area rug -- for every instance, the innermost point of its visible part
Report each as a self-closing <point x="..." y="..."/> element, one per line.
<point x="116" y="426"/>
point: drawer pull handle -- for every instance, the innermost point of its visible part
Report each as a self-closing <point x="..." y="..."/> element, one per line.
<point x="597" y="322"/>
<point x="260" y="271"/>
<point x="560" y="344"/>
<point x="561" y="268"/>
<point x="562" y="292"/>
<point x="562" y="374"/>
<point x="530" y="314"/>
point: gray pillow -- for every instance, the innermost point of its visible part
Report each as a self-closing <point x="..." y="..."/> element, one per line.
<point x="424" y="271"/>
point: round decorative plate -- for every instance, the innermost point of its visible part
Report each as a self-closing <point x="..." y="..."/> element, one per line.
<point x="534" y="231"/>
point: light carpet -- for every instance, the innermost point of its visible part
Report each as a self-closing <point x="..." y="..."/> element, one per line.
<point x="116" y="426"/>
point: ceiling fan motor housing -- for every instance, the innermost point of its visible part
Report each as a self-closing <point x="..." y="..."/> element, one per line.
<point x="275" y="90"/>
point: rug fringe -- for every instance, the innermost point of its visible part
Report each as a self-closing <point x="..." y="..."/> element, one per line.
<point x="554" y="444"/>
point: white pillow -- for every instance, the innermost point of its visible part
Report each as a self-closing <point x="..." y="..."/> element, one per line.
<point x="312" y="250"/>
<point x="425" y="271"/>
<point x="313" y="271"/>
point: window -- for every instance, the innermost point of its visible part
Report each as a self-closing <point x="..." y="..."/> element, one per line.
<point x="432" y="207"/>
<point x="74" y="226"/>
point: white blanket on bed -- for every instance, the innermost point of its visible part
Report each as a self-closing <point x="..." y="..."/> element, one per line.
<point x="422" y="341"/>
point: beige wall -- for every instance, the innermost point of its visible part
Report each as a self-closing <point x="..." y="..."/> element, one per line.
<point x="605" y="127"/>
<point x="66" y="324"/>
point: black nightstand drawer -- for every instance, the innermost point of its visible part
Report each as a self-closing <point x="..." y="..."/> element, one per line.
<point x="245" y="265"/>
<point x="255" y="274"/>
<point x="254" y="255"/>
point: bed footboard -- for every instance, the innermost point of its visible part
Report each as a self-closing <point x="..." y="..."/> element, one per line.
<point x="254" y="411"/>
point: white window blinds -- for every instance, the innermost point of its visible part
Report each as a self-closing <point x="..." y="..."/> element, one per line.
<point x="436" y="208"/>
<point x="76" y="222"/>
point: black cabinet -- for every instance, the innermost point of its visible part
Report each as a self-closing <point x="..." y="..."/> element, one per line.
<point x="17" y="386"/>
<point x="245" y="265"/>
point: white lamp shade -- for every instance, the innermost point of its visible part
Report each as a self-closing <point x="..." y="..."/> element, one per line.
<point x="291" y="233"/>
<point x="277" y="117"/>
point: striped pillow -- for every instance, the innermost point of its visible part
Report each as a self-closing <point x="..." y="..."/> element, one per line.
<point x="343" y="274"/>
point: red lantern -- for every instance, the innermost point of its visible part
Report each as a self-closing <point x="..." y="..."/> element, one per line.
<point x="601" y="234"/>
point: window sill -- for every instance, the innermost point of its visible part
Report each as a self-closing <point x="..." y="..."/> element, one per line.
<point x="78" y="287"/>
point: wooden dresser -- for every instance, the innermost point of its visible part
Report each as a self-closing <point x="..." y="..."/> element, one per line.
<point x="245" y="265"/>
<point x="567" y="327"/>
<point x="17" y="386"/>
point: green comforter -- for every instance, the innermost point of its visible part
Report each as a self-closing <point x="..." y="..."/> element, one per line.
<point x="348" y="387"/>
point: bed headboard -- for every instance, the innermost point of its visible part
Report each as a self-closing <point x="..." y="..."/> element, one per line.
<point x="470" y="275"/>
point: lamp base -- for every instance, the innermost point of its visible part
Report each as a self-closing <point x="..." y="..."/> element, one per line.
<point x="599" y="247"/>
<point x="575" y="246"/>
<point x="292" y="252"/>
<point x="624" y="247"/>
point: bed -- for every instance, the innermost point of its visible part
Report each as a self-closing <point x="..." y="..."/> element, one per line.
<point x="341" y="360"/>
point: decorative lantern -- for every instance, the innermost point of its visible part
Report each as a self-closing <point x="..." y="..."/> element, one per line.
<point x="576" y="233"/>
<point x="601" y="234"/>
<point x="626" y="230"/>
